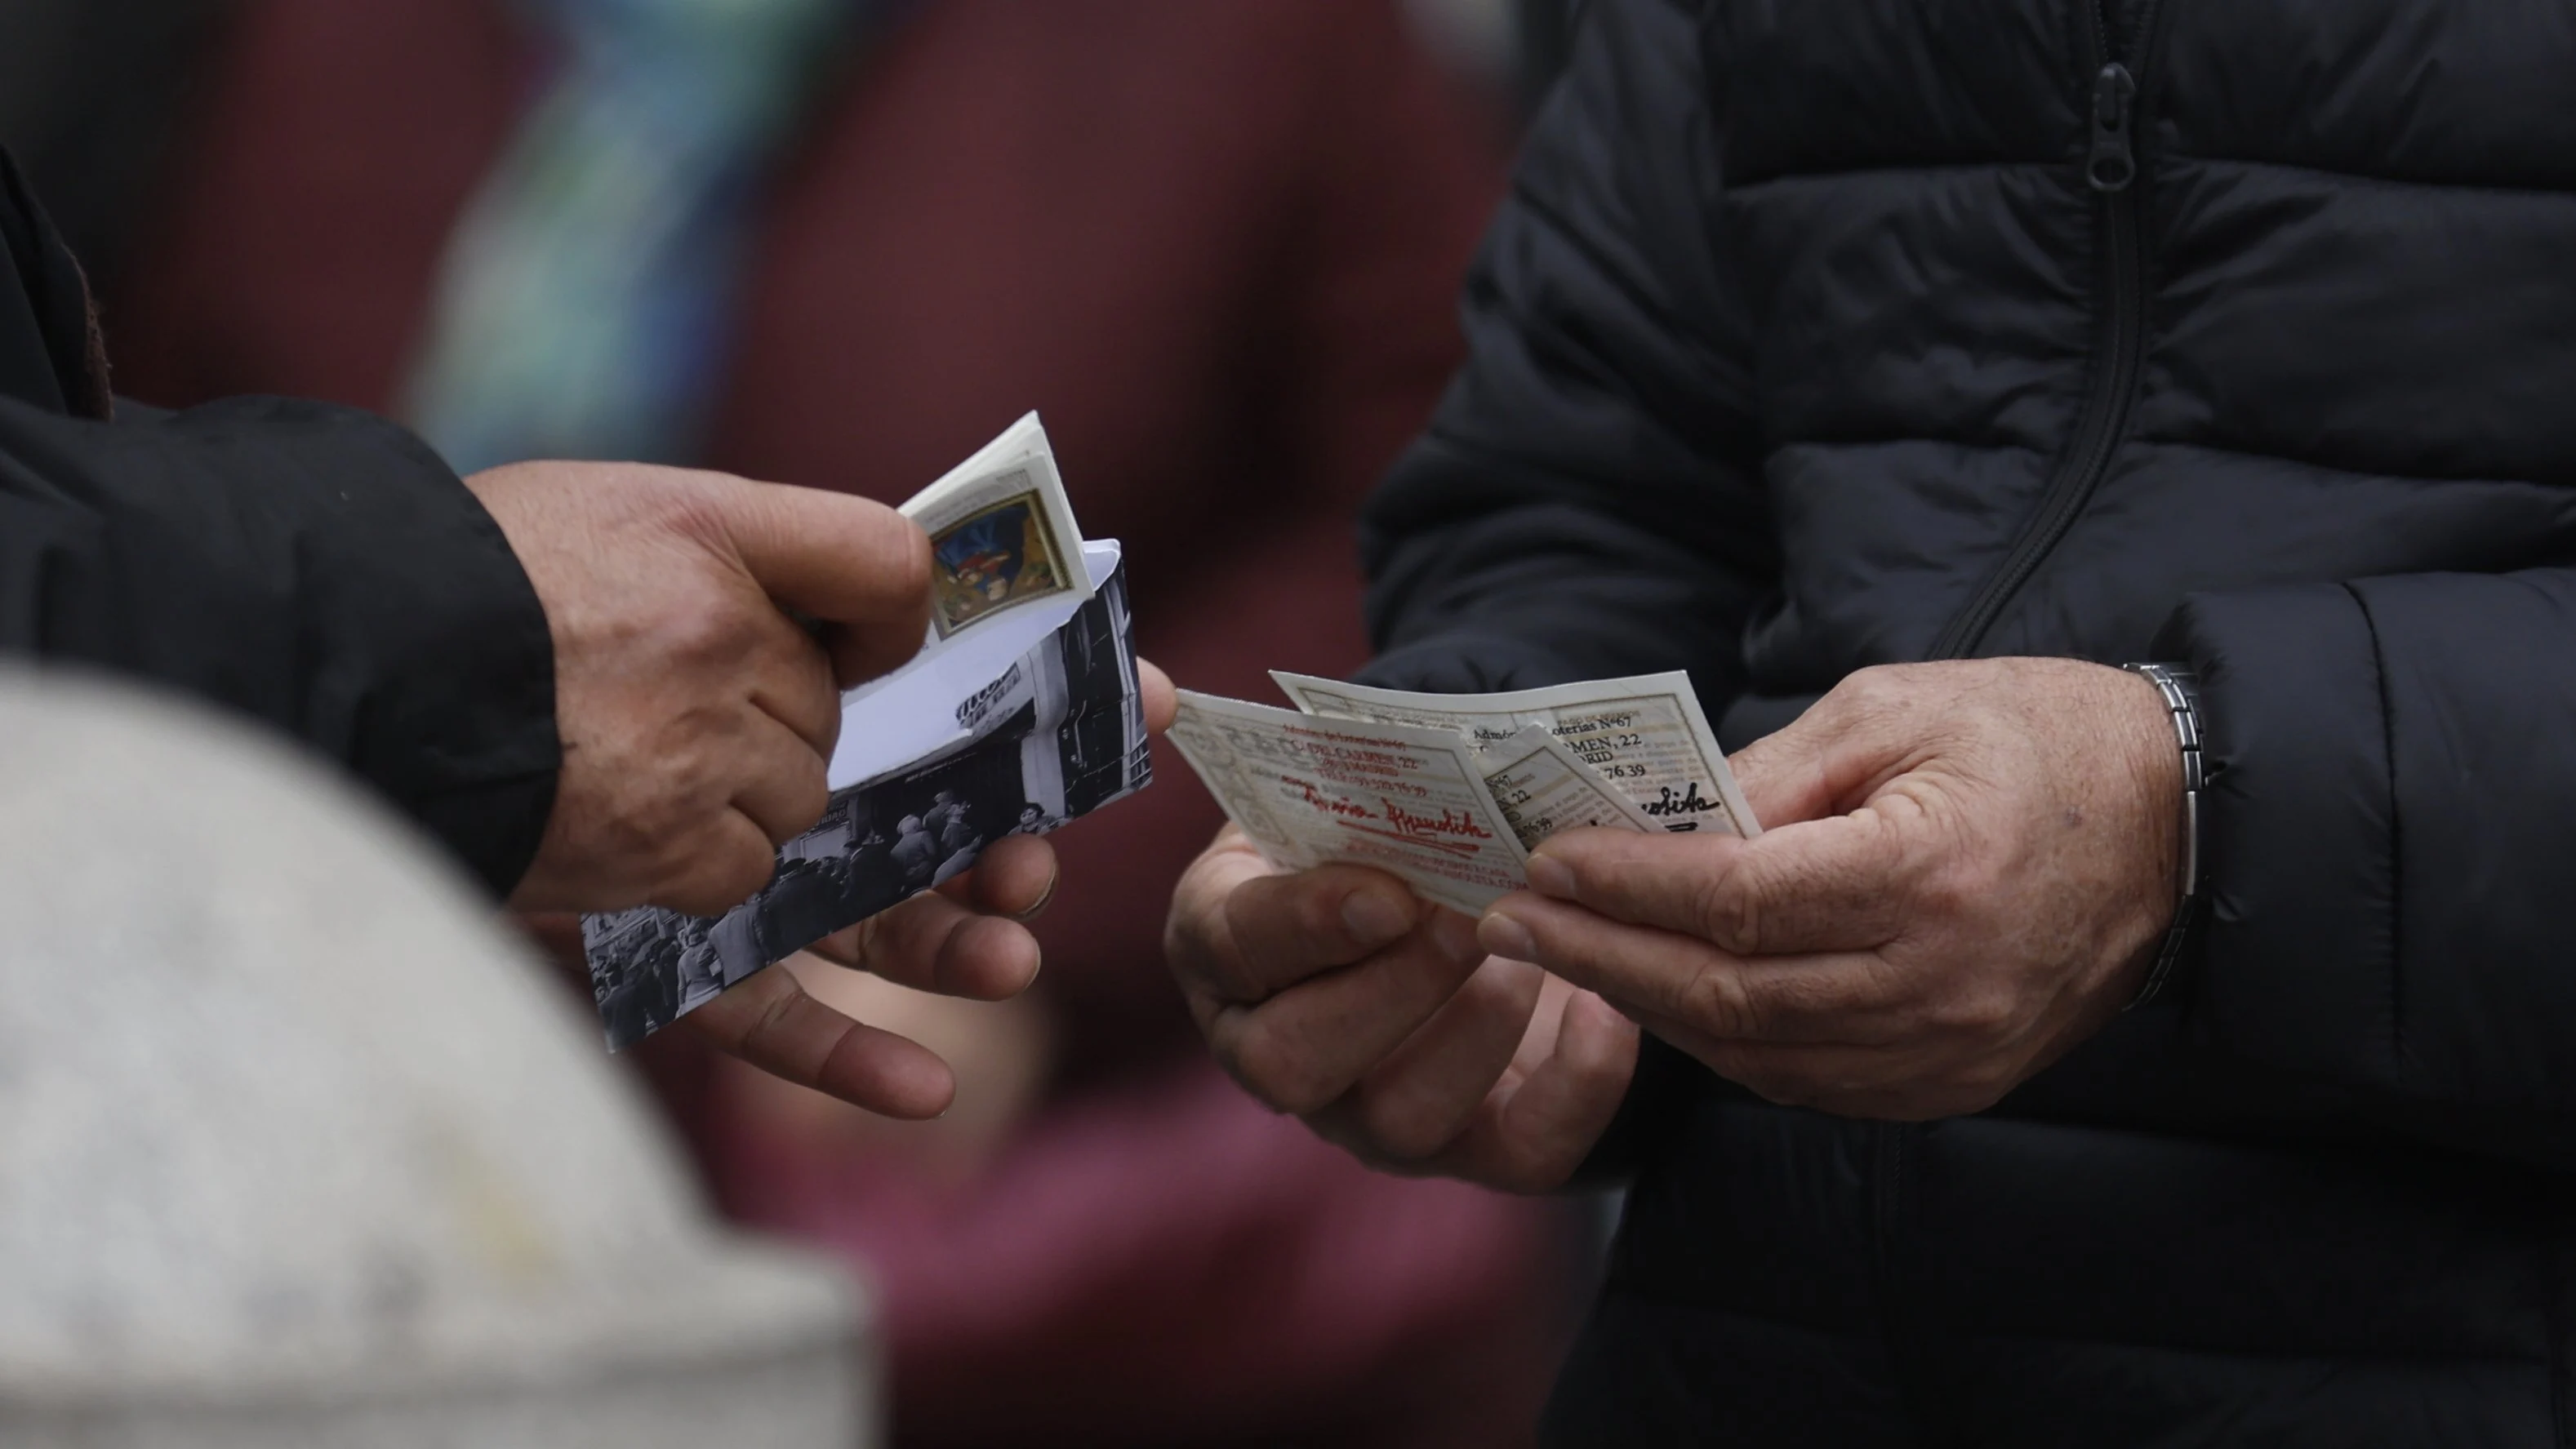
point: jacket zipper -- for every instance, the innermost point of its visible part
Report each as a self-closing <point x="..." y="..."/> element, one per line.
<point x="2111" y="169"/>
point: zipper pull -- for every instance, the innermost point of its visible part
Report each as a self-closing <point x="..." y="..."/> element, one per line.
<point x="2112" y="164"/>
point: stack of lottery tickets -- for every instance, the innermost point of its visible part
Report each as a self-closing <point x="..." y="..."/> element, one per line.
<point x="1450" y="792"/>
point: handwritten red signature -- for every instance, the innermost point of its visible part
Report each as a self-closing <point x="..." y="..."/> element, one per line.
<point x="1451" y="821"/>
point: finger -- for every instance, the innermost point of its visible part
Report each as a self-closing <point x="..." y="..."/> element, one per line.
<point x="782" y="780"/>
<point x="770" y="1022"/>
<point x="1333" y="917"/>
<point x="1829" y="997"/>
<point x="1830" y="758"/>
<point x="791" y="682"/>
<point x="1538" y="1128"/>
<point x="1162" y="701"/>
<point x="857" y="565"/>
<point x="1198" y="942"/>
<point x="1846" y="882"/>
<point x="1420" y="1098"/>
<point x="1303" y="1048"/>
<point x="733" y="857"/>
<point x="934" y="943"/>
<point x="1014" y="877"/>
<point x="1281" y="929"/>
<point x="1789" y="776"/>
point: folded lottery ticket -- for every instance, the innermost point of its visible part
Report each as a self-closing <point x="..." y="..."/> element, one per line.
<point x="1021" y="712"/>
<point x="1451" y="792"/>
<point x="1310" y="790"/>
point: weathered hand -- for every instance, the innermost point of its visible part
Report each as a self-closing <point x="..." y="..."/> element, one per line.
<point x="1966" y="870"/>
<point x="1337" y="995"/>
<point x="968" y="938"/>
<point x="697" y="717"/>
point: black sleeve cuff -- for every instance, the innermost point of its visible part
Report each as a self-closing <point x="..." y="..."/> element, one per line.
<point x="445" y="699"/>
<point x="1665" y="1080"/>
<point x="314" y="567"/>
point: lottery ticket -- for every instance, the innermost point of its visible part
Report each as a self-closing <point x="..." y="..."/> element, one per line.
<point x="1542" y="788"/>
<point x="1646" y="736"/>
<point x="1308" y="791"/>
<point x="1002" y="533"/>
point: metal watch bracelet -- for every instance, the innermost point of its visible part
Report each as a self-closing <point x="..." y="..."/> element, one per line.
<point x="2181" y="691"/>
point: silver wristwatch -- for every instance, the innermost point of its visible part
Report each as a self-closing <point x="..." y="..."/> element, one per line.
<point x="2181" y="689"/>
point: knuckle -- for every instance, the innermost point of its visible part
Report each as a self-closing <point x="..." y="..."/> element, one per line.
<point x="1303" y="1091"/>
<point x="1313" y="914"/>
<point x="1400" y="1134"/>
<point x="1716" y="1001"/>
<point x="1951" y="893"/>
<point x="908" y="573"/>
<point x="1183" y="942"/>
<point x="1281" y="1077"/>
<point x="1872" y="688"/>
<point x="694" y="505"/>
<point x="717" y="633"/>
<point x="810" y="797"/>
<point x="1191" y="948"/>
<point x="1730" y="909"/>
<point x="1984" y="1013"/>
<point x="731" y="876"/>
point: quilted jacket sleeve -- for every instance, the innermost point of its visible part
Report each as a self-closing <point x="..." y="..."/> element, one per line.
<point x="1584" y="503"/>
<point x="311" y="567"/>
<point x="2391" y="837"/>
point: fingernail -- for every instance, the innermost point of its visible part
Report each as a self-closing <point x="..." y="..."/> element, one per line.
<point x="1550" y="876"/>
<point x="1035" y="911"/>
<point x="1373" y="918"/>
<point x="1504" y="936"/>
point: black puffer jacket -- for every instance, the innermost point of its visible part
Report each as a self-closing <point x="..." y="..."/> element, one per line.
<point x="311" y="567"/>
<point x="1807" y="344"/>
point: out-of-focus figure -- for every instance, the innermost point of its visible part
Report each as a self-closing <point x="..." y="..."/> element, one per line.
<point x="1217" y="245"/>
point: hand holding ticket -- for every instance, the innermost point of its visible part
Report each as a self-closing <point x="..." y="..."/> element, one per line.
<point x="1022" y="711"/>
<point x="1451" y="792"/>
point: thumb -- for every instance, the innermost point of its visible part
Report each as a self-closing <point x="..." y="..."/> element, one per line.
<point x="854" y="564"/>
<point x="1162" y="702"/>
<point x="1828" y="759"/>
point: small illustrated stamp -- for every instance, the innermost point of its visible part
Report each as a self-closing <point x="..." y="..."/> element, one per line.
<point x="1003" y="554"/>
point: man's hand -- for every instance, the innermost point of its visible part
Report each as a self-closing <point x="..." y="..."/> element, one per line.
<point x="1337" y="995"/>
<point x="1965" y="872"/>
<point x="697" y="718"/>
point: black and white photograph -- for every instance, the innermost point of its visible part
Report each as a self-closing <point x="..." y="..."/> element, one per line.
<point x="1060" y="734"/>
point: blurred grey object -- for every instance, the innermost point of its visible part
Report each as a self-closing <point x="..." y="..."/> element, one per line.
<point x="1514" y="46"/>
<point x="89" y="92"/>
<point x="297" y="1147"/>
